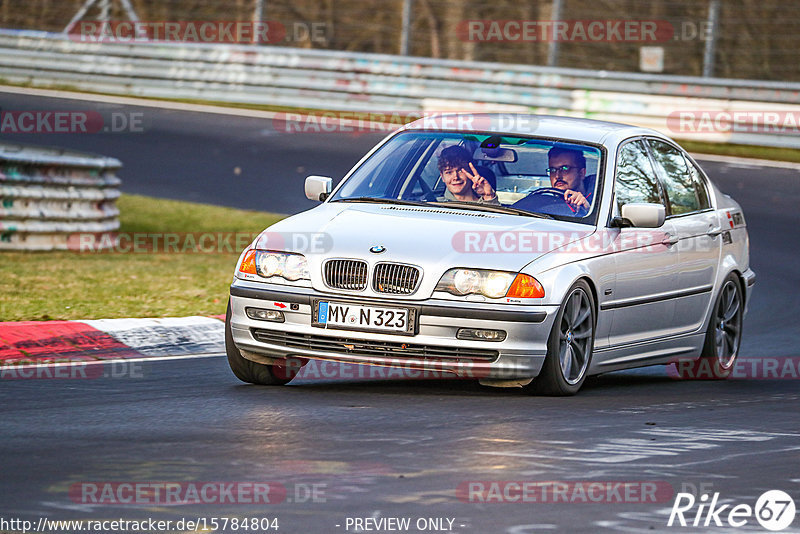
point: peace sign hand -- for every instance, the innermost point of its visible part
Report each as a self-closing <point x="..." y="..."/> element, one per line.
<point x="480" y="185"/>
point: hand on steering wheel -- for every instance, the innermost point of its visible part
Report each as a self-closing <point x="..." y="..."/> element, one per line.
<point x="572" y="201"/>
<point x="576" y="200"/>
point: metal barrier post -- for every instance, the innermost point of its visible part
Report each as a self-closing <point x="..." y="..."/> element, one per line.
<point x="710" y="48"/>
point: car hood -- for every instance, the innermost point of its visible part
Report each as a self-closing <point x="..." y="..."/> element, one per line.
<point x="434" y="238"/>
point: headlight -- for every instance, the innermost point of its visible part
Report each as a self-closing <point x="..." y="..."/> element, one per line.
<point x="466" y="282"/>
<point x="295" y="267"/>
<point x="492" y="284"/>
<point x="267" y="264"/>
<point x="495" y="285"/>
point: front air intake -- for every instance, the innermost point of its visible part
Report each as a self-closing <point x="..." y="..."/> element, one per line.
<point x="350" y="275"/>
<point x="395" y="278"/>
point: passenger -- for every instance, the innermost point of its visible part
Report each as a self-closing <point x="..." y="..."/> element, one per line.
<point x="567" y="170"/>
<point x="464" y="183"/>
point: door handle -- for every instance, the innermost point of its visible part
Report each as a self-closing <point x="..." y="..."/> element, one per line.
<point x="714" y="232"/>
<point x="670" y="239"/>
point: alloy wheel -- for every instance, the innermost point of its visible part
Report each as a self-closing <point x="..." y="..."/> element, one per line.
<point x="575" y="336"/>
<point x="728" y="325"/>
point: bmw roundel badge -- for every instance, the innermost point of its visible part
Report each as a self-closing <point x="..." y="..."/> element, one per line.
<point x="377" y="249"/>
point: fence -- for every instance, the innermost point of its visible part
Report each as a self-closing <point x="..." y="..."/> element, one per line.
<point x="319" y="79"/>
<point x="49" y="196"/>
<point x="752" y="39"/>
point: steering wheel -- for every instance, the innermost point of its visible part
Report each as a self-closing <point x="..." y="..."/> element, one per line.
<point x="427" y="192"/>
<point x="549" y="192"/>
<point x="549" y="200"/>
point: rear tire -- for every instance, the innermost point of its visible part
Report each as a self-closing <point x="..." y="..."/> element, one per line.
<point x="570" y="345"/>
<point x="723" y="336"/>
<point x="249" y="371"/>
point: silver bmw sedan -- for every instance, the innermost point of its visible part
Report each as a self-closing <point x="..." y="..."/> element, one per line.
<point x="518" y="250"/>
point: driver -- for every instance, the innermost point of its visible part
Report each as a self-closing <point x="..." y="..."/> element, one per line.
<point x="464" y="183"/>
<point x="567" y="170"/>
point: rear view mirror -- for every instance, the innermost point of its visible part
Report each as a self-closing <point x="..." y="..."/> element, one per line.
<point x="506" y="155"/>
<point x="318" y="187"/>
<point x="644" y="214"/>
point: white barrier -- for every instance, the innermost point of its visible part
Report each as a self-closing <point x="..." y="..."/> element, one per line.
<point x="49" y="196"/>
<point x="334" y="80"/>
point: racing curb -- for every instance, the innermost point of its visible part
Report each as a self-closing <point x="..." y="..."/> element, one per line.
<point x="109" y="339"/>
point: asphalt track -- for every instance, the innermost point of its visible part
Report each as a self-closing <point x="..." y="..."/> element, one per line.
<point x="397" y="448"/>
<point x="218" y="159"/>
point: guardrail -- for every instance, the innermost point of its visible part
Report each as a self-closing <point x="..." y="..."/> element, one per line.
<point x="319" y="79"/>
<point x="50" y="198"/>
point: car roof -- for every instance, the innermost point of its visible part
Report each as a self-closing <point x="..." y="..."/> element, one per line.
<point x="589" y="130"/>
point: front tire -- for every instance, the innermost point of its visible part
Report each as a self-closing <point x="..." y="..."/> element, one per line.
<point x="249" y="371"/>
<point x="570" y="345"/>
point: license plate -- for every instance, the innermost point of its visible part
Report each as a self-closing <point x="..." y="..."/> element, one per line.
<point x="349" y="316"/>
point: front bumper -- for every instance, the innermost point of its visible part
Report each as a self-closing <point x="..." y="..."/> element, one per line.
<point x="434" y="347"/>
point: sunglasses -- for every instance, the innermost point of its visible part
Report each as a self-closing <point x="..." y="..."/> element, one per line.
<point x="563" y="168"/>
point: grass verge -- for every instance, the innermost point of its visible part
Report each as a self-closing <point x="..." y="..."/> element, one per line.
<point x="742" y="151"/>
<point x="74" y="285"/>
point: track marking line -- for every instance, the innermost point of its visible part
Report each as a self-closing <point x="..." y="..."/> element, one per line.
<point x="133" y="101"/>
<point x="378" y="127"/>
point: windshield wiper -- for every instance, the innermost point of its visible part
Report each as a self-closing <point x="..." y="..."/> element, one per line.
<point x="382" y="201"/>
<point x="491" y="207"/>
<point x="450" y="204"/>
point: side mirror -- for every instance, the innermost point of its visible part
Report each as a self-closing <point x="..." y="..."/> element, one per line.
<point x="318" y="187"/>
<point x="643" y="214"/>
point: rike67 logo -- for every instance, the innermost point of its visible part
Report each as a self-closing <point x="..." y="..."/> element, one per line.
<point x="774" y="510"/>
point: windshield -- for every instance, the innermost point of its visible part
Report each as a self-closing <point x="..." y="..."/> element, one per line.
<point x="521" y="175"/>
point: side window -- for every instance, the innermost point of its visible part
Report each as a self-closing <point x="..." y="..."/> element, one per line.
<point x="700" y="185"/>
<point x="681" y="187"/>
<point x="636" y="180"/>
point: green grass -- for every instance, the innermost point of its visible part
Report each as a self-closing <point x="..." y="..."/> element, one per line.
<point x="147" y="214"/>
<point x="742" y="151"/>
<point x="88" y="285"/>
